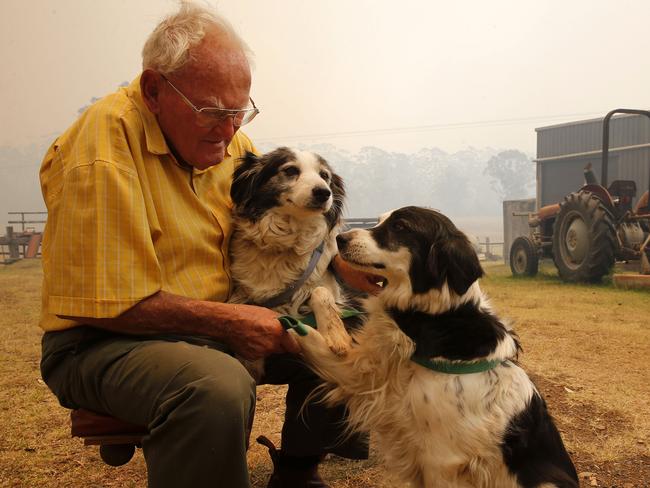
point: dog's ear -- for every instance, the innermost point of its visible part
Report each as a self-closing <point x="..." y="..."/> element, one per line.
<point x="454" y="261"/>
<point x="333" y="215"/>
<point x="244" y="179"/>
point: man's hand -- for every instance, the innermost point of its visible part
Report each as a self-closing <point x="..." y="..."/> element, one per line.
<point x="356" y="279"/>
<point x="257" y="333"/>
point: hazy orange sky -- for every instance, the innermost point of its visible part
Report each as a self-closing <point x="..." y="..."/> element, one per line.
<point x="397" y="74"/>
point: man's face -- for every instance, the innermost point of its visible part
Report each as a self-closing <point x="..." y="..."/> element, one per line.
<point x="217" y="75"/>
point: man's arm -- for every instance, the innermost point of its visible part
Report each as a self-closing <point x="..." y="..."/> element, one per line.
<point x="250" y="331"/>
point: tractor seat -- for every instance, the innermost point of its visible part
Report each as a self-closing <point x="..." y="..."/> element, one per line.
<point x="623" y="188"/>
<point x="625" y="191"/>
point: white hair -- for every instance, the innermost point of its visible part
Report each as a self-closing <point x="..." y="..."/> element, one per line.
<point x="167" y="48"/>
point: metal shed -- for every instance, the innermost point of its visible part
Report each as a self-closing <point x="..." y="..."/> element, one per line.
<point x="563" y="150"/>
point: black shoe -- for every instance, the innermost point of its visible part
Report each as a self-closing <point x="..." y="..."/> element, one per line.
<point x="292" y="472"/>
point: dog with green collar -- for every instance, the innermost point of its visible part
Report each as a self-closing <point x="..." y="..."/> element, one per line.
<point x="433" y="371"/>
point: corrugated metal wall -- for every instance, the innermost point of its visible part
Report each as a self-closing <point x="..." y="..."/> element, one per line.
<point x="561" y="176"/>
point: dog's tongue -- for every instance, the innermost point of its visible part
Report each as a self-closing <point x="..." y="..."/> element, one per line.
<point x="375" y="282"/>
<point x="360" y="280"/>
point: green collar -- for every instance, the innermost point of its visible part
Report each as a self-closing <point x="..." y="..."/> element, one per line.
<point x="463" y="367"/>
<point x="299" y="325"/>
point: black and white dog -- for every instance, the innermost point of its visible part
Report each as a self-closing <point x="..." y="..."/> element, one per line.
<point x="287" y="207"/>
<point x="433" y="373"/>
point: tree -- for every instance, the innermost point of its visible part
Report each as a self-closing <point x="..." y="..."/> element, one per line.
<point x="512" y="173"/>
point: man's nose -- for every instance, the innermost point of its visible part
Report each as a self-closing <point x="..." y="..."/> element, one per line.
<point x="225" y="128"/>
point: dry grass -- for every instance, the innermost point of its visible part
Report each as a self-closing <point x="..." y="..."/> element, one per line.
<point x="585" y="346"/>
<point x="592" y="341"/>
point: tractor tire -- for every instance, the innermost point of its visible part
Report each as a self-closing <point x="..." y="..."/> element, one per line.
<point x="584" y="238"/>
<point x="524" y="260"/>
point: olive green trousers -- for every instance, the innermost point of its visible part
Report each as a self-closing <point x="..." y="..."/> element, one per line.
<point x="196" y="399"/>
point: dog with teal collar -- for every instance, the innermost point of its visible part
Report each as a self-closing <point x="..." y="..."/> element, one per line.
<point x="287" y="208"/>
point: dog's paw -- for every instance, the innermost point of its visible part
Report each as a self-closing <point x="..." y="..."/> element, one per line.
<point x="312" y="345"/>
<point x="321" y="298"/>
<point x="339" y="344"/>
<point x="328" y="318"/>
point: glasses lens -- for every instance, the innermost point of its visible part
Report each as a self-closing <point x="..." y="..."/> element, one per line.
<point x="211" y="118"/>
<point x="244" y="118"/>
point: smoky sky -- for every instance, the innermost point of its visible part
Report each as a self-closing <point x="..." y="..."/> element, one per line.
<point x="400" y="75"/>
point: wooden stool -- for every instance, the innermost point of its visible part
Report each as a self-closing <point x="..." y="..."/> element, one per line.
<point x="116" y="439"/>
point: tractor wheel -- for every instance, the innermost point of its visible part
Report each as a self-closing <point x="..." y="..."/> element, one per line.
<point x="524" y="260"/>
<point x="584" y="238"/>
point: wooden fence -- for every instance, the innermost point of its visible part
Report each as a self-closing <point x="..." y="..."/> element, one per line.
<point x="26" y="243"/>
<point x="493" y="251"/>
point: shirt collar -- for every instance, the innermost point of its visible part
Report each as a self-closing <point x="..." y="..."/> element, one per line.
<point x="156" y="143"/>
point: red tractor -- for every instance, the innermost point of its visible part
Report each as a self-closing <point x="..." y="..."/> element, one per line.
<point x="591" y="229"/>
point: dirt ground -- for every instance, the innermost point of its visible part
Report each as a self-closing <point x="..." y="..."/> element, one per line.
<point x="585" y="347"/>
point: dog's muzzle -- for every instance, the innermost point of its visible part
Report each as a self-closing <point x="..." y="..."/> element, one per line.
<point x="342" y="241"/>
<point x="320" y="195"/>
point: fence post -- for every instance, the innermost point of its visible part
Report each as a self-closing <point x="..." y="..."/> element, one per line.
<point x="14" y="253"/>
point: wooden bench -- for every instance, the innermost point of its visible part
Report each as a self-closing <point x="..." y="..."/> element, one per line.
<point x="117" y="440"/>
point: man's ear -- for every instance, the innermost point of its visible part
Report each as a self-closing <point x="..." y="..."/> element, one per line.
<point x="150" y="88"/>
<point x="455" y="261"/>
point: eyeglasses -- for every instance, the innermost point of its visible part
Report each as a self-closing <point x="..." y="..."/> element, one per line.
<point x="212" y="116"/>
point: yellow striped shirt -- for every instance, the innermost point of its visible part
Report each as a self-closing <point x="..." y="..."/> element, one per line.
<point x="126" y="220"/>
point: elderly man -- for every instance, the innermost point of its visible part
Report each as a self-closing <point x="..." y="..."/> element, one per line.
<point x="135" y="258"/>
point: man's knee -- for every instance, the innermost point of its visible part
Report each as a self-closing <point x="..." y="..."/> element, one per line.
<point x="227" y="391"/>
<point x="213" y="387"/>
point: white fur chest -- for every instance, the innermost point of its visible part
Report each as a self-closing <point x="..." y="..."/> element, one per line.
<point x="273" y="253"/>
<point x="429" y="422"/>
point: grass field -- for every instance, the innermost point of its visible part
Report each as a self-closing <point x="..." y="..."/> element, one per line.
<point x="585" y="346"/>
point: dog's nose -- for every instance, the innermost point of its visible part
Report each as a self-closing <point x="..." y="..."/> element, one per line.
<point x="321" y="194"/>
<point x="342" y="241"/>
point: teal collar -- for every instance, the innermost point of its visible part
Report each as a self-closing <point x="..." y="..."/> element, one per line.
<point x="286" y="295"/>
<point x="462" y="367"/>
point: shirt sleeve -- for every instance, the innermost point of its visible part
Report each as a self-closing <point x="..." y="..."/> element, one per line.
<point x="101" y="258"/>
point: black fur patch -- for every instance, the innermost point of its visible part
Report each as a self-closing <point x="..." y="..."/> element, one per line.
<point x="439" y="251"/>
<point x="464" y="333"/>
<point x="533" y="450"/>
<point x="333" y="215"/>
<point x="249" y="191"/>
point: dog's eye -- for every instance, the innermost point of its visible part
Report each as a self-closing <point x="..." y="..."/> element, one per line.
<point x="291" y="171"/>
<point x="397" y="226"/>
<point x="325" y="175"/>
